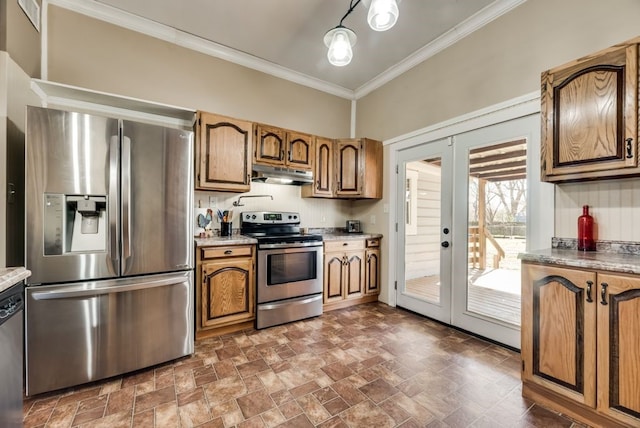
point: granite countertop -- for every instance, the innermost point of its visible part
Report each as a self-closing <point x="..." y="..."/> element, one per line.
<point x="613" y="257"/>
<point x="219" y="241"/>
<point x="11" y="276"/>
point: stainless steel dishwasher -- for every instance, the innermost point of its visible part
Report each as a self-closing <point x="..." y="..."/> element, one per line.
<point x="11" y="354"/>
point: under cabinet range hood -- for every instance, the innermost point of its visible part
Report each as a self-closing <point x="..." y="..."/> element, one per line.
<point x="280" y="175"/>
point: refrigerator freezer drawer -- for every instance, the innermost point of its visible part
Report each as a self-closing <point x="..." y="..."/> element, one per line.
<point x="78" y="333"/>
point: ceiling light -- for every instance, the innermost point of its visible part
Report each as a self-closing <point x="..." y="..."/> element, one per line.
<point x="382" y="15"/>
<point x="339" y="41"/>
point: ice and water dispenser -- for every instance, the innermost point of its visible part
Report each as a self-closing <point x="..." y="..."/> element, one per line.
<point x="74" y="223"/>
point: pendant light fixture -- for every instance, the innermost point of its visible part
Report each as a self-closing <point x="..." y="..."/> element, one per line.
<point x="382" y="15"/>
<point x="340" y="40"/>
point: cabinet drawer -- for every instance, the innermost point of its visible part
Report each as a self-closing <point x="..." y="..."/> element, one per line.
<point x="231" y="251"/>
<point x="350" y="244"/>
<point x="373" y="242"/>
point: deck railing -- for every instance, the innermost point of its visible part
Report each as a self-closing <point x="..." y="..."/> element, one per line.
<point x="478" y="248"/>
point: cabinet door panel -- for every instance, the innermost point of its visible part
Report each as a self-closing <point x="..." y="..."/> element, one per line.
<point x="324" y="167"/>
<point x="619" y="348"/>
<point x="333" y="277"/>
<point x="224" y="153"/>
<point x="349" y="168"/>
<point x="227" y="291"/>
<point x="355" y="274"/>
<point x="270" y="145"/>
<point x="300" y="154"/>
<point x="372" y="277"/>
<point x="558" y="331"/>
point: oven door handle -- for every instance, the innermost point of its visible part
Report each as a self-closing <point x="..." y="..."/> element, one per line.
<point x="271" y="306"/>
<point x="290" y="245"/>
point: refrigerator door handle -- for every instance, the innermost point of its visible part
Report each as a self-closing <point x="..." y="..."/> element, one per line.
<point x="126" y="200"/>
<point x="114" y="185"/>
<point x="88" y="292"/>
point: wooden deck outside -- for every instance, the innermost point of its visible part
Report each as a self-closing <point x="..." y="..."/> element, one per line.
<point x="492" y="292"/>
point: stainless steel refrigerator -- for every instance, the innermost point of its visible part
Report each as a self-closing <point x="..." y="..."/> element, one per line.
<point x="109" y="244"/>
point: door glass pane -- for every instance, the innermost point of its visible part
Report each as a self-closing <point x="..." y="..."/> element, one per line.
<point x="496" y="229"/>
<point x="422" y="229"/>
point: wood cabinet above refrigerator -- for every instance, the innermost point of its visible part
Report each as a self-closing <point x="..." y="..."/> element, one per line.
<point x="589" y="111"/>
<point x="223" y="153"/>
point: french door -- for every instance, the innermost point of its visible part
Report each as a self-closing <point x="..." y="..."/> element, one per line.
<point x="424" y="250"/>
<point x="452" y="245"/>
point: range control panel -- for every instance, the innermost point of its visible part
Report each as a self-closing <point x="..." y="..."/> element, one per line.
<point x="270" y="217"/>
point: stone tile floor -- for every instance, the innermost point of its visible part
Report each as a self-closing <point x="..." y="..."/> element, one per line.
<point x="364" y="366"/>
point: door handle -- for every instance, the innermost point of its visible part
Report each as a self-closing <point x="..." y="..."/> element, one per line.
<point x="589" y="285"/>
<point x="629" y="142"/>
<point x="445" y="244"/>
<point x="603" y="293"/>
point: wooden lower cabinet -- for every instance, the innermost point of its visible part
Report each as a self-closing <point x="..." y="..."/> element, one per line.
<point x="351" y="272"/>
<point x="225" y="289"/>
<point x="581" y="343"/>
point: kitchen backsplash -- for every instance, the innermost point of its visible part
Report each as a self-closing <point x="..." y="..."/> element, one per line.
<point x="614" y="205"/>
<point x="313" y="212"/>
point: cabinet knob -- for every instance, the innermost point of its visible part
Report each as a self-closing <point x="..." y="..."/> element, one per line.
<point x="603" y="293"/>
<point x="344" y="244"/>
<point x="629" y="148"/>
<point x="445" y="244"/>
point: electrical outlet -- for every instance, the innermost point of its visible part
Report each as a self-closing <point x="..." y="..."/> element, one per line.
<point x="385" y="207"/>
<point x="213" y="201"/>
<point x="372" y="220"/>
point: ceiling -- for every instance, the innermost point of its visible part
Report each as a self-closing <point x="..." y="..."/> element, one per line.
<point x="286" y="36"/>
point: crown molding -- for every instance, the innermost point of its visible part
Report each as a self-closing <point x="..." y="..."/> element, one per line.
<point x="145" y="26"/>
<point x="466" y="27"/>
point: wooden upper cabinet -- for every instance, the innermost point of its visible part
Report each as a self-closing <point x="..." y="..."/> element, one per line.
<point x="590" y="117"/>
<point x="223" y="153"/>
<point x="323" y="172"/>
<point x="276" y="146"/>
<point x="619" y="347"/>
<point x="358" y="164"/>
<point x="300" y="150"/>
<point x="270" y="145"/>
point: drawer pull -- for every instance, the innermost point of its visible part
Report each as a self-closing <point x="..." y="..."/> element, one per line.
<point x="344" y="244"/>
<point x="589" y="285"/>
<point x="603" y="293"/>
<point x="228" y="252"/>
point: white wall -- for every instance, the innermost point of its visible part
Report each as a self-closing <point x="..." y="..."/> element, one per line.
<point x="314" y="212"/>
<point x="614" y="205"/>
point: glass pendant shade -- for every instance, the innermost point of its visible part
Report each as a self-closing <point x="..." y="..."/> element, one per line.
<point x="382" y="15"/>
<point x="339" y="41"/>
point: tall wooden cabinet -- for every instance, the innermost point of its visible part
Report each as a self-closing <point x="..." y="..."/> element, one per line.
<point x="225" y="289"/>
<point x="581" y="343"/>
<point x="281" y="147"/>
<point x="590" y="116"/>
<point x="223" y="153"/>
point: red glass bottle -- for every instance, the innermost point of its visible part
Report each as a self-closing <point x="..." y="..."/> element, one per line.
<point x="585" y="231"/>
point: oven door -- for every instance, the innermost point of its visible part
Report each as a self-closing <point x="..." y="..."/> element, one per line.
<point x="289" y="272"/>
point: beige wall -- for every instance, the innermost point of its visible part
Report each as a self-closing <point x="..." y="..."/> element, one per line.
<point x="93" y="54"/>
<point x="19" y="38"/>
<point x="499" y="62"/>
<point x="503" y="60"/>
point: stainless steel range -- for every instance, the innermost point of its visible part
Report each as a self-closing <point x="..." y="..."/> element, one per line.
<point x="289" y="267"/>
